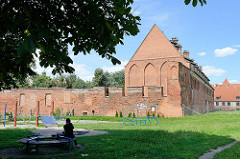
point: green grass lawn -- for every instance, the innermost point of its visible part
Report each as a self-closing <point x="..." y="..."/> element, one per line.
<point x="231" y="153"/>
<point x="180" y="138"/>
<point x="10" y="137"/>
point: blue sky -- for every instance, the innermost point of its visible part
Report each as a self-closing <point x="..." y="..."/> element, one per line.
<point x="210" y="33"/>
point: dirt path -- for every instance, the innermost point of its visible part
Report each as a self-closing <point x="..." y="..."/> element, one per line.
<point x="210" y="155"/>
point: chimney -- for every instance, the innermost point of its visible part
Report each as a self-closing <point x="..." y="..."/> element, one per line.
<point x="174" y="41"/>
<point x="179" y="48"/>
<point x="186" y="53"/>
<point x="200" y="68"/>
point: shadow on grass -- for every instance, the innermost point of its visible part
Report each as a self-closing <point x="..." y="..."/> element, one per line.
<point x="138" y="143"/>
<point x="10" y="137"/>
<point x="150" y="144"/>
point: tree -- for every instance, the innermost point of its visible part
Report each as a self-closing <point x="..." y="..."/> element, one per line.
<point x="50" y="26"/>
<point x="79" y="83"/>
<point x="109" y="79"/>
<point x="119" y="78"/>
<point x="89" y="84"/>
<point x="70" y="80"/>
<point x="42" y="81"/>
<point x="99" y="78"/>
<point x="195" y="2"/>
<point x="60" y="81"/>
<point x="23" y="83"/>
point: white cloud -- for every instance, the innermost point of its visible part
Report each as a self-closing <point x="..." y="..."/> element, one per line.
<point x="234" y="81"/>
<point x="236" y="46"/>
<point x="213" y="71"/>
<point x="202" y="54"/>
<point x="82" y="72"/>
<point x="116" y="68"/>
<point x="224" y="52"/>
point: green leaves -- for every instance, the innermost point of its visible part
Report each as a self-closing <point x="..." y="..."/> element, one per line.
<point x="187" y="2"/>
<point x="195" y="2"/>
<point x="87" y="25"/>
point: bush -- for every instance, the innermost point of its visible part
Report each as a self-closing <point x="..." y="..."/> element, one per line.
<point x="134" y="115"/>
<point x="121" y="114"/>
<point x="153" y="114"/>
<point x="56" y="112"/>
<point x="158" y="116"/>
<point x="130" y="114"/>
<point x="116" y="115"/>
<point x="148" y="114"/>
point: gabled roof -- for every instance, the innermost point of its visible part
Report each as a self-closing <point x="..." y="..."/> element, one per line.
<point x="155" y="45"/>
<point x="227" y="91"/>
<point x="225" y="82"/>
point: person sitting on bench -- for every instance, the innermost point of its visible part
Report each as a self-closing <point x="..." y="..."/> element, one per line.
<point x="68" y="131"/>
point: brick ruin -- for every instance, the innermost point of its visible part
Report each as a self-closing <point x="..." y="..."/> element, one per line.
<point x="158" y="79"/>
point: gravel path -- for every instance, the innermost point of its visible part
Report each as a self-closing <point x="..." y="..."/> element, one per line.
<point x="210" y="155"/>
<point x="58" y="130"/>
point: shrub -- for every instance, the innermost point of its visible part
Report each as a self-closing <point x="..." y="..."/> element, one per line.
<point x="158" y="116"/>
<point x="134" y="115"/>
<point x="121" y="114"/>
<point x="148" y="114"/>
<point x="116" y="115"/>
<point x="56" y="112"/>
<point x="153" y="114"/>
<point x="130" y="114"/>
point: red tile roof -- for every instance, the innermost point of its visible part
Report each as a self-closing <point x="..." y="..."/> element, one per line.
<point x="227" y="91"/>
<point x="225" y="82"/>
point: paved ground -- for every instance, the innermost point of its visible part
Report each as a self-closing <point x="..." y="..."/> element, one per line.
<point x="20" y="123"/>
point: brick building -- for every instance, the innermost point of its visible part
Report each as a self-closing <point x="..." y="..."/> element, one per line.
<point x="227" y="96"/>
<point x="158" y="79"/>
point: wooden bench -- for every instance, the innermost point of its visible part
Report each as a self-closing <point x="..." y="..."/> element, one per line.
<point x="46" y="140"/>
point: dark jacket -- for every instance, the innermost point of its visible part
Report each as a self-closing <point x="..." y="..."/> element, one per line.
<point x="68" y="130"/>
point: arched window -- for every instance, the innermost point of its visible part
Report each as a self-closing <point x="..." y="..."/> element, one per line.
<point x="134" y="76"/>
<point x="150" y="75"/>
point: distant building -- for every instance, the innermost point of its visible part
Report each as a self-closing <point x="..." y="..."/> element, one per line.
<point x="227" y="96"/>
<point x="159" y="79"/>
<point x="160" y="63"/>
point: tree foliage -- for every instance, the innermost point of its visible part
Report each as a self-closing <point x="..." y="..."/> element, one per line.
<point x="42" y="81"/>
<point x="71" y="81"/>
<point x="50" y="26"/>
<point x="79" y="83"/>
<point x="119" y="78"/>
<point x="195" y="2"/>
<point x="101" y="78"/>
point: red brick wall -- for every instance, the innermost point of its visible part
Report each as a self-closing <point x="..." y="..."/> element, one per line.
<point x="83" y="100"/>
<point x="157" y="76"/>
<point x="202" y="95"/>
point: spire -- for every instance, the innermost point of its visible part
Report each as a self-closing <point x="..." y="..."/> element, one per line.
<point x="225" y="82"/>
